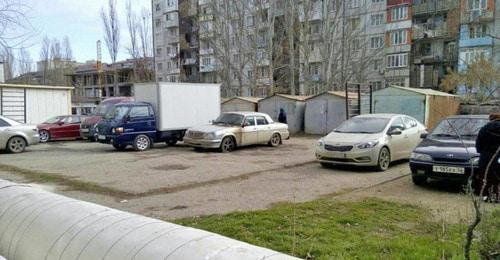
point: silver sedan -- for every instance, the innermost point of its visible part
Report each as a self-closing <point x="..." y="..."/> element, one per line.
<point x="370" y="140"/>
<point x="15" y="137"/>
<point x="234" y="129"/>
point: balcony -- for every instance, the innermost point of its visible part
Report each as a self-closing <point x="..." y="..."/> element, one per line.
<point x="432" y="31"/>
<point x="172" y="23"/>
<point x="208" y="67"/>
<point x="435" y="6"/>
<point x="206" y="51"/>
<point x="477" y="16"/>
<point x="190" y="61"/>
<point x="172" y="55"/>
<point x="174" y="71"/>
<point x="206" y="34"/>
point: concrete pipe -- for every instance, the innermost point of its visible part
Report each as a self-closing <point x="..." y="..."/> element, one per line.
<point x="36" y="224"/>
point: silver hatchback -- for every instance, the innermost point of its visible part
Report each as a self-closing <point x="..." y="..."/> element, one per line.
<point x="15" y="137"/>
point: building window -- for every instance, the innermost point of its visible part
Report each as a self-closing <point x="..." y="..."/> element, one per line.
<point x="397" y="60"/>
<point x="355" y="44"/>
<point x="478" y="31"/>
<point x="354" y="23"/>
<point x="377" y="1"/>
<point x="377" y="19"/>
<point x="263" y="72"/>
<point x="398" y="37"/>
<point x="472" y="55"/>
<point x="159" y="66"/>
<point x="377" y="64"/>
<point x="158" y="51"/>
<point x="171" y="3"/>
<point x="377" y="42"/>
<point x="206" y="61"/>
<point x="399" y="13"/>
<point x="157" y="22"/>
<point x="376" y="85"/>
<point x="249" y="21"/>
<point x="157" y="7"/>
<point x="355" y="3"/>
<point x="477" y="4"/>
<point x="314" y="69"/>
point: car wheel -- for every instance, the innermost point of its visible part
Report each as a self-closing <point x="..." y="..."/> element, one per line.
<point x="172" y="142"/>
<point x="275" y="140"/>
<point x="142" y="143"/>
<point x="119" y="147"/>
<point x="16" y="144"/>
<point x="44" y="136"/>
<point x="384" y="159"/>
<point x="228" y="145"/>
<point x="419" y="180"/>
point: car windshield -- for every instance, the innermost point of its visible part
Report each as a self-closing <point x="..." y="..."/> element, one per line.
<point x="53" y="120"/>
<point x="363" y="125"/>
<point x="117" y="113"/>
<point x="103" y="109"/>
<point x="229" y="119"/>
<point x="456" y="128"/>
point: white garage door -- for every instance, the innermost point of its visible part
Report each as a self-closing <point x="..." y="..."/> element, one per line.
<point x="13" y="103"/>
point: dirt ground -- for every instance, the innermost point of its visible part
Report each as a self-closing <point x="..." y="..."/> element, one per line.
<point x="177" y="182"/>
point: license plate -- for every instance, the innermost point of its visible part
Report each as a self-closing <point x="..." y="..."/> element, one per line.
<point x="447" y="169"/>
<point x="101" y="137"/>
<point x="84" y="130"/>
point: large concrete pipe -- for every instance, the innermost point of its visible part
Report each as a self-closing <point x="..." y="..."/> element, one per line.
<point x="38" y="225"/>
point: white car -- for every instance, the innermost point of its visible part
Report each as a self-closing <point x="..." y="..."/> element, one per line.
<point x="370" y="140"/>
<point x="15" y="137"/>
<point x="235" y="129"/>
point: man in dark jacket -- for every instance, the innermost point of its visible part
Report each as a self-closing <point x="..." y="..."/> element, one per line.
<point x="487" y="144"/>
<point x="282" y="116"/>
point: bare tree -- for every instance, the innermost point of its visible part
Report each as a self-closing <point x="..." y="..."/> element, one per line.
<point x="15" y="27"/>
<point x="8" y="59"/>
<point x="139" y="47"/>
<point x="24" y="61"/>
<point x="111" y="27"/>
<point x="66" y="49"/>
<point x="45" y="58"/>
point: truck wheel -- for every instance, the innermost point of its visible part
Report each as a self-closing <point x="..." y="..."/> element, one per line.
<point x="228" y="144"/>
<point x="172" y="142"/>
<point x="275" y="140"/>
<point x="142" y="143"/>
<point x="44" y="136"/>
<point x="16" y="144"/>
<point x="119" y="147"/>
<point x="384" y="159"/>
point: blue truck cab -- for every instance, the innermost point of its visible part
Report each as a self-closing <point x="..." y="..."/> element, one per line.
<point x="134" y="124"/>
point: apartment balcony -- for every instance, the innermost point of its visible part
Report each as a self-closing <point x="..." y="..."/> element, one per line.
<point x="173" y="71"/>
<point x="475" y="42"/>
<point x="478" y="16"/>
<point x="189" y="61"/>
<point x="208" y="67"/>
<point x="172" y="23"/>
<point x="432" y="31"/>
<point x="313" y="77"/>
<point x="172" y="8"/>
<point x="435" y="6"/>
<point x="173" y="55"/>
<point x="206" y="34"/>
<point x="206" y="51"/>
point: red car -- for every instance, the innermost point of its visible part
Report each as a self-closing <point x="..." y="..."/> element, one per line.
<point x="60" y="127"/>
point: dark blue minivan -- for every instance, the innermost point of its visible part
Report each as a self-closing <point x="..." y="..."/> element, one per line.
<point x="134" y="124"/>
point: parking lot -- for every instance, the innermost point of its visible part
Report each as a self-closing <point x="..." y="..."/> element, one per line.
<point x="175" y="182"/>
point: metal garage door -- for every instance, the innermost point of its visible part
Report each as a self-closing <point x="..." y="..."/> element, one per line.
<point x="13" y="103"/>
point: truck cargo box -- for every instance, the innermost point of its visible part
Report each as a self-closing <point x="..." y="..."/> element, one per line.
<point x="180" y="105"/>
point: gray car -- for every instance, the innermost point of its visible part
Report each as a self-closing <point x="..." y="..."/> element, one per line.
<point x="15" y="137"/>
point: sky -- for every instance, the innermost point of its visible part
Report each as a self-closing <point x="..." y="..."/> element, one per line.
<point x="81" y="21"/>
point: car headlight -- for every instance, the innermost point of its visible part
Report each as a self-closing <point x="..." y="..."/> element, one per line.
<point x="421" y="157"/>
<point x="118" y="130"/>
<point x="474" y="161"/>
<point x="321" y="143"/>
<point x="209" y="135"/>
<point x="367" y="145"/>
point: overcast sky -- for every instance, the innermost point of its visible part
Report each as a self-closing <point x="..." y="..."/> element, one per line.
<point x="81" y="21"/>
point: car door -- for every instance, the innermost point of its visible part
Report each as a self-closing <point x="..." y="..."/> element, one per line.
<point x="398" y="143"/>
<point x="264" y="130"/>
<point x="141" y="121"/>
<point x="74" y="127"/>
<point x="412" y="133"/>
<point x="63" y="128"/>
<point x="249" y="131"/>
<point x="4" y="135"/>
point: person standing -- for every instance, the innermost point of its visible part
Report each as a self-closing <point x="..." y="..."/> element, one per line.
<point x="282" y="116"/>
<point x="487" y="144"/>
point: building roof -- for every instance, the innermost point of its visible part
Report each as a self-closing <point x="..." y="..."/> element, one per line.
<point x="254" y="100"/>
<point x="425" y="91"/>
<point x="6" y="85"/>
<point x="352" y="95"/>
<point x="291" y="97"/>
<point x="247" y="113"/>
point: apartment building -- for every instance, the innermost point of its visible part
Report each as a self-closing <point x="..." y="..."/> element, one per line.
<point x="435" y="41"/>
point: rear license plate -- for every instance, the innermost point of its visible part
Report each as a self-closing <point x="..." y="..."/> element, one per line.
<point x="101" y="137"/>
<point x="447" y="169"/>
<point x="84" y="130"/>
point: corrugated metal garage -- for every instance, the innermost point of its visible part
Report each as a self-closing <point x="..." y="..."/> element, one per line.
<point x="325" y="111"/>
<point x="426" y="105"/>
<point x="241" y="104"/>
<point x="294" y="107"/>
<point x="33" y="104"/>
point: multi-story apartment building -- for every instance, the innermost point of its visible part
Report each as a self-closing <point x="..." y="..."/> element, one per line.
<point x="435" y="39"/>
<point x="166" y="39"/>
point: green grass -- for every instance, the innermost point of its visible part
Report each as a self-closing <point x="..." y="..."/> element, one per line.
<point x="329" y="229"/>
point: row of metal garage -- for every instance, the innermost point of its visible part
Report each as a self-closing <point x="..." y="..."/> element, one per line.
<point x="322" y="113"/>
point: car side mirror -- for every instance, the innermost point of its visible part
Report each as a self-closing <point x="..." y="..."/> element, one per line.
<point x="60" y="123"/>
<point x="395" y="131"/>
<point x="423" y="136"/>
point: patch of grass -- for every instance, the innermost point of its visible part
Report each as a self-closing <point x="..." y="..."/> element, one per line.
<point x="329" y="229"/>
<point x="68" y="183"/>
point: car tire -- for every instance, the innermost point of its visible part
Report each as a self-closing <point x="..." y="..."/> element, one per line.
<point x="384" y="159"/>
<point x="275" y="140"/>
<point x="227" y="145"/>
<point x="142" y="143"/>
<point x="44" y="136"/>
<point x="419" y="180"/>
<point x="16" y="144"/>
<point x="120" y="147"/>
<point x="172" y="142"/>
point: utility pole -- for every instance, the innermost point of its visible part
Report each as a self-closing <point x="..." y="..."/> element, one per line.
<point x="99" y="69"/>
<point x="343" y="46"/>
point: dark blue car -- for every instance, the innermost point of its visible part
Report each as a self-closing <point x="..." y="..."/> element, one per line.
<point x="448" y="152"/>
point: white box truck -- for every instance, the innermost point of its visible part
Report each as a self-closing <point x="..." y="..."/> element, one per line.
<point x="162" y="112"/>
